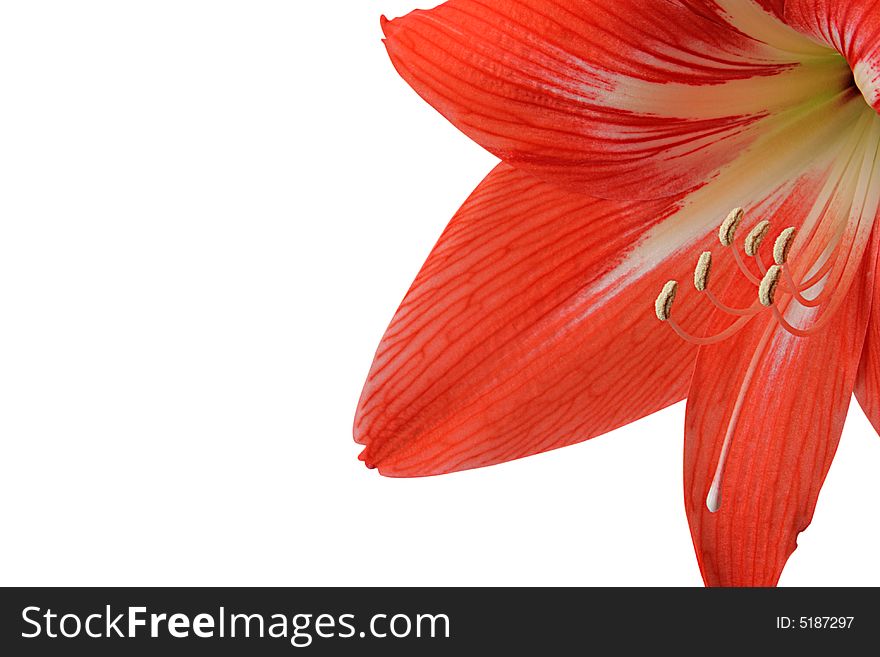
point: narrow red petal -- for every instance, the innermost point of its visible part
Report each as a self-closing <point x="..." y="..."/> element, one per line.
<point x="508" y="345"/>
<point x="781" y="402"/>
<point x="867" y="387"/>
<point x="605" y="97"/>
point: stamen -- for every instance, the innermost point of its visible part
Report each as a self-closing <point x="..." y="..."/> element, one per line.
<point x="795" y="291"/>
<point x="822" y="270"/>
<point x="663" y="304"/>
<point x="729" y="332"/>
<point x="755" y="237"/>
<point x="727" y="231"/>
<point x="767" y="290"/>
<point x="663" y="308"/>
<point x="761" y="266"/>
<point x="783" y="246"/>
<point x="754" y="280"/>
<point x="826" y="317"/>
<point x="701" y="273"/>
<point x="730" y="310"/>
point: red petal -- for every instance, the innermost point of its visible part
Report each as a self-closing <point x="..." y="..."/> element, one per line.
<point x="603" y="96"/>
<point x="505" y="346"/>
<point x="782" y="400"/>
<point x="531" y="326"/>
<point x="868" y="379"/>
<point x="850" y="26"/>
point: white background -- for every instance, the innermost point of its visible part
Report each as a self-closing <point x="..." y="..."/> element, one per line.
<point x="209" y="212"/>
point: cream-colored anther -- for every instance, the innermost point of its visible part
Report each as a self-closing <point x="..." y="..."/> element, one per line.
<point x="767" y="289"/>
<point x="702" y="271"/>
<point x="728" y="227"/>
<point x="755" y="237"/>
<point x="783" y="246"/>
<point x="663" y="305"/>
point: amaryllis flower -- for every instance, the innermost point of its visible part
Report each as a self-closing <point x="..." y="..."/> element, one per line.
<point x="720" y="153"/>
